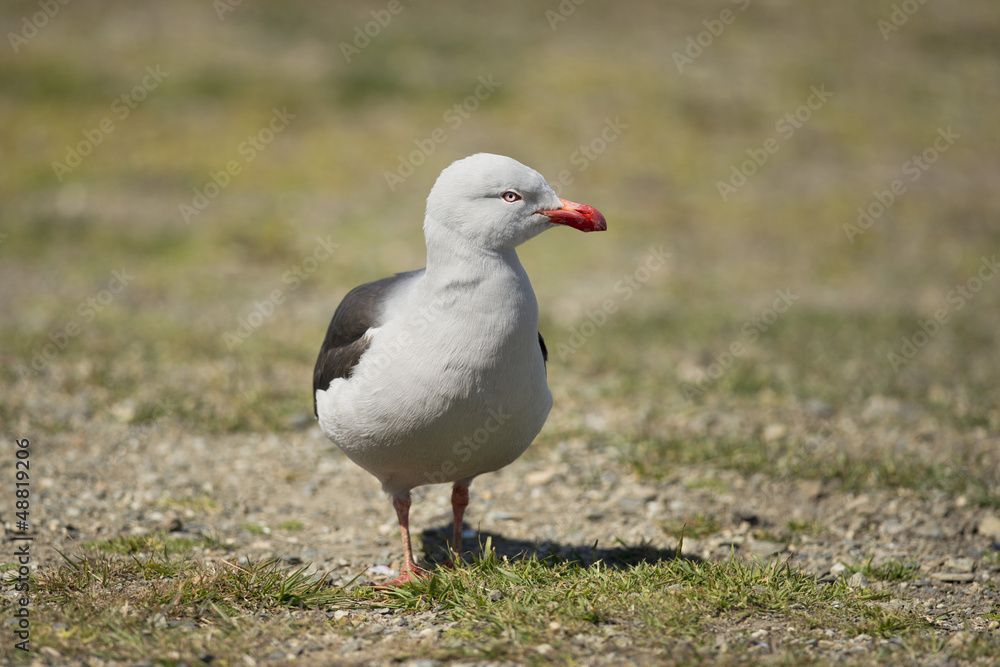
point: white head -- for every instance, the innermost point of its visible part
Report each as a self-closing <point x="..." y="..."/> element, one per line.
<point x="498" y="203"/>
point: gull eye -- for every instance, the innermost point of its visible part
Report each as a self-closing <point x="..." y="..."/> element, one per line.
<point x="510" y="197"/>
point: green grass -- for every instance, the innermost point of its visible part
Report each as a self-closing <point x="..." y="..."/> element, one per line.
<point x="115" y="601"/>
<point x="130" y="598"/>
<point x="132" y="595"/>
<point x="146" y="544"/>
<point x="893" y="570"/>
<point x="513" y="606"/>
<point x="858" y="471"/>
<point x="694" y="526"/>
<point x="810" y="528"/>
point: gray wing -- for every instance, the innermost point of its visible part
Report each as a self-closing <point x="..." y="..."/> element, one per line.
<point x="345" y="340"/>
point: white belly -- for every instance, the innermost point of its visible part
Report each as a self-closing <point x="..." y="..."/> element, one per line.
<point x="435" y="400"/>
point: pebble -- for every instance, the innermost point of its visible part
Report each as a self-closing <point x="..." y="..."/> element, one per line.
<point x="955" y="577"/>
<point x="811" y="488"/>
<point x="820" y="408"/>
<point x="764" y="548"/>
<point x="962" y="564"/>
<point x="989" y="526"/>
<point x="774" y="432"/>
<point x="539" y="477"/>
<point x="351" y="646"/>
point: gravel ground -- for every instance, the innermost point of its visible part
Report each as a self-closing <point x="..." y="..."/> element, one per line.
<point x="104" y="480"/>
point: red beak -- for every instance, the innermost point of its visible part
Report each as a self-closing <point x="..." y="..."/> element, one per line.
<point x="578" y="216"/>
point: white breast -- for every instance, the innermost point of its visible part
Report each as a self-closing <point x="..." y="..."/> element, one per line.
<point x="452" y="386"/>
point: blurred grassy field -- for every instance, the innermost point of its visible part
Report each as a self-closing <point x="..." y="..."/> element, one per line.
<point x="162" y="338"/>
<point x="116" y="309"/>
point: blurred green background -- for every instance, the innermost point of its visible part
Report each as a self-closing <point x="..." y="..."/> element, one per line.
<point x="562" y="74"/>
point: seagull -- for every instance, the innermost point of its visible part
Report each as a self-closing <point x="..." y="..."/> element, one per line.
<point x="438" y="375"/>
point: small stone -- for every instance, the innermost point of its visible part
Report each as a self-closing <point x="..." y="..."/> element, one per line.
<point x="774" y="432"/>
<point x="539" y="477"/>
<point x="811" y="488"/>
<point x="960" y="564"/>
<point x="891" y="526"/>
<point x="765" y="548"/>
<point x="955" y="577"/>
<point x="173" y="525"/>
<point x="341" y="614"/>
<point x="544" y="649"/>
<point x="556" y="626"/>
<point x="820" y="408"/>
<point x="351" y="646"/>
<point x="857" y="580"/>
<point x="123" y="411"/>
<point x="993" y="625"/>
<point x="838" y="569"/>
<point x="495" y="595"/>
<point x="930" y="531"/>
<point x="989" y="526"/>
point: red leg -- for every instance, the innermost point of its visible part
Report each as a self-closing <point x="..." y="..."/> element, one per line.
<point x="409" y="570"/>
<point x="459" y="501"/>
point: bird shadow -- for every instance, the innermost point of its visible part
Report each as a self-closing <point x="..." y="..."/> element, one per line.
<point x="437" y="541"/>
